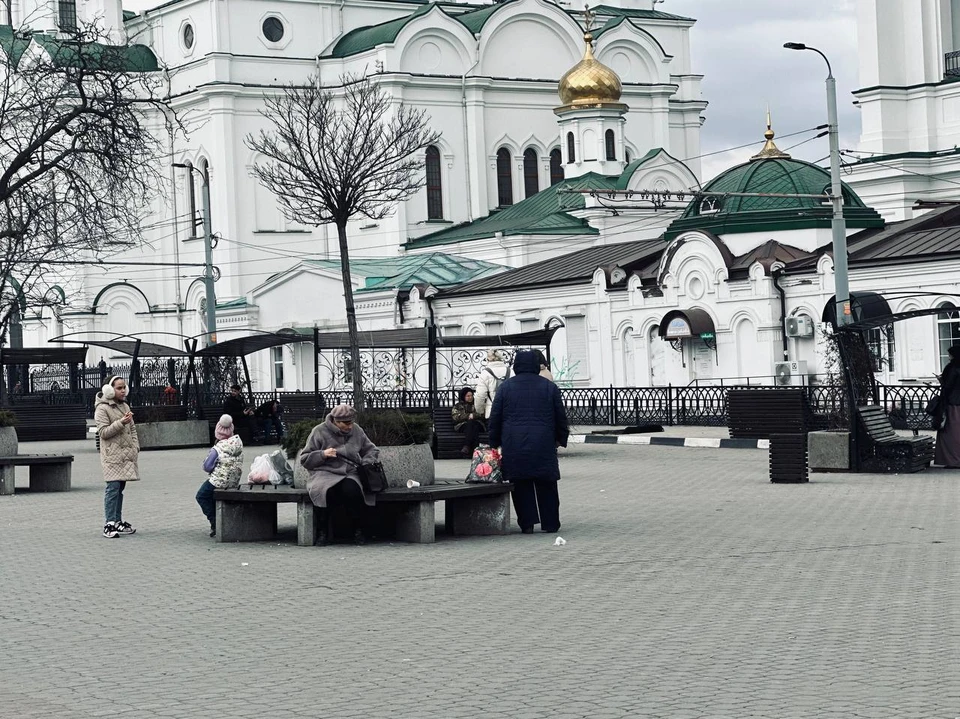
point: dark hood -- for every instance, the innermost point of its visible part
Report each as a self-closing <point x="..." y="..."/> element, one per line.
<point x="526" y="362"/>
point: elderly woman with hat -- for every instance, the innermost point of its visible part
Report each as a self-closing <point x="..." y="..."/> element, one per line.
<point x="333" y="453"/>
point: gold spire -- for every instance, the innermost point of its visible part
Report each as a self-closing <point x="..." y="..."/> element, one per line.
<point x="770" y="149"/>
<point x="589" y="82"/>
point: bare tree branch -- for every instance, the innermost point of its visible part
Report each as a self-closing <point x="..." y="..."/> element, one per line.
<point x="78" y="159"/>
<point x="329" y="159"/>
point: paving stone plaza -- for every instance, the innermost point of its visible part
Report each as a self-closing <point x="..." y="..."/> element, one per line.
<point x="689" y="587"/>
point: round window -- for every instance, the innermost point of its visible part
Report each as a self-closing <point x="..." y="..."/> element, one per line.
<point x="273" y="29"/>
<point x="188" y="37"/>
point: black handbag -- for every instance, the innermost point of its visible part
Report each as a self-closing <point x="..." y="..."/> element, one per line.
<point x="372" y="477"/>
<point x="933" y="407"/>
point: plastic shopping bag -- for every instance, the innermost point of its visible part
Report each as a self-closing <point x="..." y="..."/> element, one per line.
<point x="485" y="467"/>
<point x="260" y="470"/>
<point x="281" y="472"/>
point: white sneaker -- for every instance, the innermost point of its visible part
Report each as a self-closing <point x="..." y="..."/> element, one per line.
<point x="110" y="531"/>
<point x="125" y="528"/>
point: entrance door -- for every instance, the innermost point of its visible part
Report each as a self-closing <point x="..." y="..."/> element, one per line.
<point x="655" y="349"/>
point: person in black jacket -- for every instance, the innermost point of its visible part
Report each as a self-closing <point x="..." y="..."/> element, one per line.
<point x="268" y="415"/>
<point x="528" y="422"/>
<point x="948" y="434"/>
<point x="236" y="406"/>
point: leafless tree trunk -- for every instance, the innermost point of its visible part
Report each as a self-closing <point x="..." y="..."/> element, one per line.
<point x="78" y="161"/>
<point x="338" y="153"/>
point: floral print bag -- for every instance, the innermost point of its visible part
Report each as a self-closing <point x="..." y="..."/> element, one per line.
<point x="485" y="467"/>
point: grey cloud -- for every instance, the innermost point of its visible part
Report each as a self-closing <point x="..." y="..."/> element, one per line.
<point x="738" y="47"/>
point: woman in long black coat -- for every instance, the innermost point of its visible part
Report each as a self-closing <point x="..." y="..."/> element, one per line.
<point x="948" y="436"/>
<point x="528" y="423"/>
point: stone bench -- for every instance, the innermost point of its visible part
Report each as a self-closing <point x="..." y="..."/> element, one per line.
<point x="249" y="514"/>
<point x="48" y="472"/>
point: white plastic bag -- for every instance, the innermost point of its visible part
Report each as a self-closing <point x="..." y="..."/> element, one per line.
<point x="260" y="470"/>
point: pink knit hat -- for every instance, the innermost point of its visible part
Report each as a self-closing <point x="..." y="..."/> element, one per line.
<point x="224" y="428"/>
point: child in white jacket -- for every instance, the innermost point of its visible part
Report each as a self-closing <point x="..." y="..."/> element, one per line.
<point x="224" y="464"/>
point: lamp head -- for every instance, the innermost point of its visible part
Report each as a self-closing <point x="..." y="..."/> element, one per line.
<point x="794" y="46"/>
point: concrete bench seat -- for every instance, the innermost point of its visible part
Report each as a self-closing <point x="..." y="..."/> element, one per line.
<point x="249" y="514"/>
<point x="48" y="472"/>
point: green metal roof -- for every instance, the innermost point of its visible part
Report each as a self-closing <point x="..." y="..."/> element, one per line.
<point x="121" y="58"/>
<point x="546" y="213"/>
<point x="644" y="14"/>
<point x="366" y="38"/>
<point x="763" y="214"/>
<point x="12" y="46"/>
<point x="436" y="268"/>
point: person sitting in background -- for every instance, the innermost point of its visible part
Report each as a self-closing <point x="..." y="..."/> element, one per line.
<point x="236" y="406"/>
<point x="466" y="422"/>
<point x="544" y="366"/>
<point x="268" y="414"/>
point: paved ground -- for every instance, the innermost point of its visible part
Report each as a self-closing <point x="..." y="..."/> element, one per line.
<point x="689" y="587"/>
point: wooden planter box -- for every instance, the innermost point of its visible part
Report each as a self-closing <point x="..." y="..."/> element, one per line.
<point x="828" y="451"/>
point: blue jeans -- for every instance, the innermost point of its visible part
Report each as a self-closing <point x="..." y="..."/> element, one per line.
<point x="113" y="501"/>
<point x="207" y="503"/>
<point x="267" y="422"/>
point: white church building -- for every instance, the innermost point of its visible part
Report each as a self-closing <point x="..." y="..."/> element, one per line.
<point x="534" y="208"/>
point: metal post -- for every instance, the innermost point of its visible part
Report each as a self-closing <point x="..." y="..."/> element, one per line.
<point x="316" y="372"/>
<point x="211" y="336"/>
<point x="838" y="225"/>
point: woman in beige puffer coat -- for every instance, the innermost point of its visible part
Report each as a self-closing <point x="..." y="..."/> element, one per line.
<point x="119" y="450"/>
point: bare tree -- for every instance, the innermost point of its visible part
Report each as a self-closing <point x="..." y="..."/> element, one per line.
<point x="78" y="160"/>
<point x="337" y="153"/>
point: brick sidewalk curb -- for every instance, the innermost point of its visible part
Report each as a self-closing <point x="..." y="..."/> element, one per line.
<point x="709" y="442"/>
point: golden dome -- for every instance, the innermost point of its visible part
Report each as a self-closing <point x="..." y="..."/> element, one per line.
<point x="589" y="82"/>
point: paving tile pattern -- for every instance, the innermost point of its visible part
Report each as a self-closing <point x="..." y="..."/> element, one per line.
<point x="689" y="587"/>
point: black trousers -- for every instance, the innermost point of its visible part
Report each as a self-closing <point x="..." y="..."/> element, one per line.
<point x="537" y="502"/>
<point x="345" y="499"/>
<point x="471" y="430"/>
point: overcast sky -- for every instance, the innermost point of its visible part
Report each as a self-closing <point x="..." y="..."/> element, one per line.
<point x="737" y="45"/>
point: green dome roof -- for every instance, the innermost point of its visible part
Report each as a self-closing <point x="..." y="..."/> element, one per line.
<point x="723" y="214"/>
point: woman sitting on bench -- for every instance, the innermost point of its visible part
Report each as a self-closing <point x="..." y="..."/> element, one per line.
<point x="334" y="451"/>
<point x="465" y="422"/>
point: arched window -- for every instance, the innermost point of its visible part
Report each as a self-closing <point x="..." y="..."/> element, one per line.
<point x="556" y="166"/>
<point x="610" y="142"/>
<point x="948" y="331"/>
<point x="531" y="175"/>
<point x="434" y="185"/>
<point x="504" y="178"/>
<point x="571" y="149"/>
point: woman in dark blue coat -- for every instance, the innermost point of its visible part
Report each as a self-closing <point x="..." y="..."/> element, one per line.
<point x="528" y="423"/>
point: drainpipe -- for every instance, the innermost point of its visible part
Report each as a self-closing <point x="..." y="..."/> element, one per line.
<point x="777" y="274"/>
<point x="466" y="155"/>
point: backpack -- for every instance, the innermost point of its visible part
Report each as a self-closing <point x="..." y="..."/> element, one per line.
<point x="498" y="380"/>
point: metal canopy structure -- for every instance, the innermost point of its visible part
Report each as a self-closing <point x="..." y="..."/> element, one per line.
<point x="73" y="357"/>
<point x="248" y="344"/>
<point x="430" y="341"/>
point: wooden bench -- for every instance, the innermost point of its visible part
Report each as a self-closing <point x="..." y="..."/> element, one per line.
<point x="40" y="422"/>
<point x="885" y="450"/>
<point x="48" y="472"/>
<point x="446" y="440"/>
<point x="759" y="413"/>
<point x="249" y="514"/>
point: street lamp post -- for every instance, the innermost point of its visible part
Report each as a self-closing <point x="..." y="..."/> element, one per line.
<point x="838" y="225"/>
<point x="211" y="336"/>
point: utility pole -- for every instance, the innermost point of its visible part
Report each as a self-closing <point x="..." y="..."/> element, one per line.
<point x="211" y="296"/>
<point x="838" y="225"/>
<point x="208" y="260"/>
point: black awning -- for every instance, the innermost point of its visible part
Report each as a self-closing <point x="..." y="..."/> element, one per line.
<point x="126" y="344"/>
<point x="242" y="346"/>
<point x="680" y="324"/>
<point x="535" y="338"/>
<point x="43" y="355"/>
<point x="376" y="339"/>
<point x="869" y="307"/>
